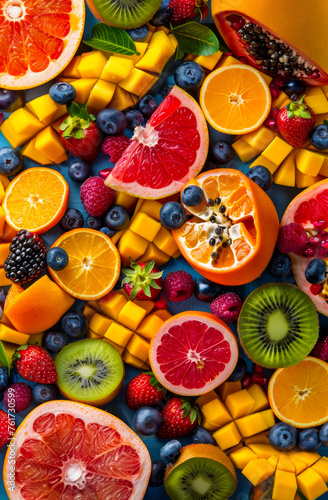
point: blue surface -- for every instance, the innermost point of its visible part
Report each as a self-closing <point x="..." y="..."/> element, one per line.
<point x="281" y="196"/>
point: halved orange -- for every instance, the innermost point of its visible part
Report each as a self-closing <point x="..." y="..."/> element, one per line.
<point x="298" y="394"/>
<point x="94" y="264"/>
<point x="36" y="200"/>
<point x="228" y="240"/>
<point x="235" y="99"/>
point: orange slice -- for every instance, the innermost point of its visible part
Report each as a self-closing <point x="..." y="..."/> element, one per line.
<point x="298" y="394"/>
<point x="94" y="264"/>
<point x="36" y="200"/>
<point x="235" y="99"/>
<point x="37" y="39"/>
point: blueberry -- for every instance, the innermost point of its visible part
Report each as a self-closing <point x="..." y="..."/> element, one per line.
<point x="62" y="93"/>
<point x="147" y="420"/>
<point x="316" y="271"/>
<point x="192" y="195"/>
<point x="147" y="105"/>
<point x="170" y="451"/>
<point x="107" y="231"/>
<point x="283" y="436"/>
<point x="166" y="90"/>
<point x="73" y="219"/>
<point x="134" y="118"/>
<point x="221" y="152"/>
<point x="111" y="121"/>
<point x="173" y="215"/>
<point x="54" y="341"/>
<point x="57" y="258"/>
<point x="239" y="371"/>
<point x="209" y="166"/>
<point x="10" y="161"/>
<point x="261" y="176"/>
<point x="4" y="378"/>
<point x="294" y="86"/>
<point x="74" y="324"/>
<point x="319" y="137"/>
<point x="117" y="218"/>
<point x="79" y="171"/>
<point x="309" y="439"/>
<point x="158" y="468"/>
<point x="201" y="436"/>
<point x="41" y="393"/>
<point x="279" y="265"/>
<point x="94" y="222"/>
<point x="8" y="99"/>
<point x="162" y="16"/>
<point x="323" y="434"/>
<point x="139" y="34"/>
<point x="189" y="76"/>
<point x="206" y="290"/>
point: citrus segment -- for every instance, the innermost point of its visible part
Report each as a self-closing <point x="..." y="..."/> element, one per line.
<point x="164" y="155"/>
<point x="70" y="450"/>
<point x="36" y="200"/>
<point x="193" y="353"/>
<point x="235" y="99"/>
<point x="93" y="267"/>
<point x="298" y="394"/>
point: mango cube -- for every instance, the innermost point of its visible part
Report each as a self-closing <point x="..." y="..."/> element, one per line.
<point x="24" y="122"/>
<point x="228" y="388"/>
<point x="284" y="486"/>
<point x="324" y="168"/>
<point x="10" y="335"/>
<point x="5" y="181"/>
<point x="14" y="139"/>
<point x="161" y="39"/>
<point x="208" y="425"/>
<point x="141" y="48"/>
<point x="280" y="101"/>
<point x="100" y="324"/>
<point x="242" y="456"/>
<point x="252" y="424"/>
<point x="308" y="457"/>
<point x="227" y="436"/>
<point x="273" y="461"/>
<point x="164" y="314"/>
<point x="309" y="162"/>
<point x="145" y="304"/>
<point x="4" y="252"/>
<point x="44" y="108"/>
<point x="165" y="241"/>
<point x="48" y="143"/>
<point x="258" y="471"/>
<point x="88" y="312"/>
<point x="134" y="361"/>
<point x="217" y="413"/>
<point x="117" y="69"/>
<point x="277" y="151"/>
<point x="268" y="418"/>
<point x="136" y="81"/>
<point x="93" y="335"/>
<point x="260" y="438"/>
<point x="262" y="160"/>
<point x="298" y="464"/>
<point x="206" y="398"/>
<point x="318" y="102"/>
<point x="264" y="450"/>
<point x="121" y="99"/>
<point x="118" y="334"/>
<point x="125" y="200"/>
<point x="149" y="326"/>
<point x="112" y="304"/>
<point x="304" y="180"/>
<point x="286" y="174"/>
<point x="152" y="208"/>
<point x="260" y="138"/>
<point x="92" y="64"/>
<point x="2" y="191"/>
<point x="321" y="467"/>
<point x="131" y="315"/>
<point x="209" y="62"/>
<point x="61" y="111"/>
<point x="261" y="401"/>
<point x="131" y="245"/>
<point x="83" y="89"/>
<point x="174" y="41"/>
<point x="239" y="403"/>
<point x="154" y="59"/>
<point x="244" y="151"/>
<point x="118" y="347"/>
<point x="311" y="484"/>
<point x="30" y="151"/>
<point x="154" y="253"/>
<point x="101" y="95"/>
<point x="72" y="70"/>
<point x="138" y="347"/>
<point x="2" y="223"/>
<point x="285" y="463"/>
<point x="145" y="226"/>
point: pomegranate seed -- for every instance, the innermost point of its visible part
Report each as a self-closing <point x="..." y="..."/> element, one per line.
<point x="315" y="289"/>
<point x="319" y="224"/>
<point x="260" y="379"/>
<point x="105" y="173"/>
<point x="161" y="303"/>
<point x="275" y="92"/>
<point x="322" y="252"/>
<point x="236" y="22"/>
<point x="271" y="124"/>
<point x="257" y="370"/>
<point x="324" y="244"/>
<point x="244" y="60"/>
<point x="278" y="81"/>
<point x="274" y="112"/>
<point x="309" y="252"/>
<point x="323" y="234"/>
<point x="315" y="74"/>
<point x="246" y="380"/>
<point x="314" y="241"/>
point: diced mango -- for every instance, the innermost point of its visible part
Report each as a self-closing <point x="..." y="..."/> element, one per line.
<point x="244" y="151"/>
<point x="239" y="403"/>
<point x="152" y="208"/>
<point x="116" y="237"/>
<point x="136" y="81"/>
<point x="131" y="315"/>
<point x="228" y="61"/>
<point x="208" y="425"/>
<point x="100" y="324"/>
<point x="48" y="144"/>
<point x="61" y="111"/>
<point x="286" y="174"/>
<point x="83" y="89"/>
<point x="206" y="398"/>
<point x="139" y="347"/>
<point x="14" y="139"/>
<point x="311" y="484"/>
<point x="4" y="252"/>
<point x="154" y="59"/>
<point x="125" y="200"/>
<point x="154" y="253"/>
<point x="258" y="471"/>
<point x="253" y="424"/>
<point x="161" y="39"/>
<point x="264" y="450"/>
<point x="261" y="401"/>
<point x="324" y="168"/>
<point x="88" y="312"/>
<point x="10" y="335"/>
<point x="308" y="457"/>
<point x="30" y="151"/>
<point x="228" y="388"/>
<point x="112" y="304"/>
<point x="145" y="304"/>
<point x="5" y="181"/>
<point x="268" y="418"/>
<point x="149" y="326"/>
<point x="277" y="151"/>
<point x="94" y="304"/>
<point x="118" y="334"/>
<point x="173" y="40"/>
<point x="2" y="222"/>
<point x="101" y="95"/>
<point x="92" y="335"/>
<point x="209" y="62"/>
<point x="260" y="138"/>
<point x="321" y="467"/>
<point x="164" y="314"/>
<point x="72" y="70"/>
<point x="273" y="461"/>
<point x="163" y="28"/>
<point x="92" y="64"/>
<point x="260" y="438"/>
<point x="309" y="162"/>
<point x="2" y="191"/>
<point x="134" y="361"/>
<point x="234" y="448"/>
<point x="304" y="180"/>
<point x="263" y="161"/>
<point x="165" y="241"/>
<point x="318" y="102"/>
<point x="117" y="69"/>
<point x="131" y="245"/>
<point x="217" y="413"/>
<point x="118" y="347"/>
<point x="227" y="436"/>
<point x="242" y="456"/>
<point x="145" y="226"/>
<point x="298" y="464"/>
<point x="121" y="99"/>
<point x="44" y="108"/>
<point x="280" y="100"/>
<point x="137" y="209"/>
<point x="284" y="486"/>
<point x="24" y="122"/>
<point x="285" y="463"/>
<point x="141" y="48"/>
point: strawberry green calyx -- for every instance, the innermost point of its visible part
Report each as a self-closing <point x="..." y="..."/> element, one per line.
<point x="141" y="278"/>
<point x="154" y="382"/>
<point x="76" y="122"/>
<point x="190" y="409"/>
<point x="298" y="109"/>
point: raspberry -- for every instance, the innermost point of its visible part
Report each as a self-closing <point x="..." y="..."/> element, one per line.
<point x="227" y="307"/>
<point x="18" y="396"/>
<point x="161" y="303"/>
<point x="96" y="196"/>
<point x="321" y="349"/>
<point x="115" y="147"/>
<point x="292" y="238"/>
<point x="178" y="286"/>
<point x="7" y="428"/>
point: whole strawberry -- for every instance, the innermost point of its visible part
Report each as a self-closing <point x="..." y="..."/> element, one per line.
<point x="295" y="122"/>
<point x="180" y="417"/>
<point x="143" y="281"/>
<point x="183" y="10"/>
<point x="144" y="390"/>
<point x="7" y="428"/>
<point x="35" y="364"/>
<point x="79" y="134"/>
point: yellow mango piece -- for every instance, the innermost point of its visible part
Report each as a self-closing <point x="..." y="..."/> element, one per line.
<point x="304" y="180"/>
<point x="2" y="191"/>
<point x="139" y="347"/>
<point x="8" y="233"/>
<point x="217" y="413"/>
<point x="83" y="88"/>
<point x="14" y="139"/>
<point x="244" y="151"/>
<point x="118" y="334"/>
<point x="318" y="103"/>
<point x="321" y="467"/>
<point x="145" y="226"/>
<point x="286" y="174"/>
<point x="121" y="99"/>
<point x="48" y="144"/>
<point x="260" y="138"/>
<point x="72" y="70"/>
<point x="268" y="418"/>
<point x="118" y="347"/>
<point x="117" y="69"/>
<point x="137" y="209"/>
<point x="94" y="305"/>
<point x="112" y="304"/>
<point x="131" y="315"/>
<point x="277" y="151"/>
<point x="93" y="335"/>
<point x="311" y="484"/>
<point x="285" y="463"/>
<point x="123" y="292"/>
<point x="228" y="61"/>
<point x="44" y="108"/>
<point x="161" y="39"/>
<point x="239" y="403"/>
<point x="136" y="81"/>
<point x="264" y="450"/>
<point x="284" y="486"/>
<point x="125" y="200"/>
<point x="4" y="181"/>
<point x="227" y="436"/>
<point x="242" y="456"/>
<point x="145" y="304"/>
<point x="155" y="59"/>
<point x="234" y="448"/>
<point x="92" y="64"/>
<point x="165" y="241"/>
<point x="308" y="457"/>
<point x="30" y="151"/>
<point x="131" y="245"/>
<point x="209" y="62"/>
<point x="88" y="312"/>
<point x="163" y="28"/>
<point x="153" y="253"/>
<point x="10" y="335"/>
<point x="206" y="398"/>
<point x="24" y="122"/>
<point x="273" y="461"/>
<point x="252" y="424"/>
<point x="258" y="471"/>
<point x="174" y="41"/>
<point x="164" y="314"/>
<point x="141" y="48"/>
<point x="309" y="162"/>
<point x="319" y="119"/>
<point x="61" y="111"/>
<point x="228" y="388"/>
<point x="324" y="168"/>
<point x="260" y="438"/>
<point x="152" y="208"/>
<point x="115" y="239"/>
<point x="261" y="401"/>
<point x="298" y="464"/>
<point x="149" y="326"/>
<point x="4" y="252"/>
<point x="134" y="361"/>
<point x="280" y="101"/>
<point x="262" y="160"/>
<point x="100" y="324"/>
<point x="101" y="95"/>
<point x="5" y="320"/>
<point x="208" y="425"/>
<point x="2" y="224"/>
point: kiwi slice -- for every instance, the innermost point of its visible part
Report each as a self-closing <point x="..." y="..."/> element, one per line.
<point x="278" y="325"/>
<point x="124" y="13"/>
<point x="89" y="371"/>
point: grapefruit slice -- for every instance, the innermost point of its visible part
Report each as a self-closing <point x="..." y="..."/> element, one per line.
<point x="192" y="353"/>
<point x="70" y="450"/>
<point x="37" y="39"/>
<point x="165" y="154"/>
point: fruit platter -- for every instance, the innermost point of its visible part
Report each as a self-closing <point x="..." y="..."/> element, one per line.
<point x="163" y="250"/>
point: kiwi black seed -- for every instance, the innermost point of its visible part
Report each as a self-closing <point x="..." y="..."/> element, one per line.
<point x="126" y="14"/>
<point x="89" y="371"/>
<point x="278" y="325"/>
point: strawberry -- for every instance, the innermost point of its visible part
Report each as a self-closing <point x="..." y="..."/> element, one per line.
<point x="35" y="364"/>
<point x="79" y="134"/>
<point x="183" y="10"/>
<point x="143" y="281"/>
<point x="144" y="390"/>
<point x="295" y="122"/>
<point x="7" y="428"/>
<point x="180" y="417"/>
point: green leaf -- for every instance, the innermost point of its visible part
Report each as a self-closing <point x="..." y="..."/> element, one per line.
<point x="149" y="267"/>
<point x="196" y="38"/>
<point x="78" y="133"/>
<point x="325" y="122"/>
<point x="83" y="113"/>
<point x="115" y="40"/>
<point x="3" y="358"/>
<point x="146" y="289"/>
<point x="179" y="53"/>
<point x="134" y="292"/>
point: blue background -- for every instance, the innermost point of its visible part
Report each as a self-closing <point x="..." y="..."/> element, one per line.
<point x="281" y="196"/>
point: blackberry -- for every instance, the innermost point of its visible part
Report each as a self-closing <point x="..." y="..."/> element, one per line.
<point x="26" y="259"/>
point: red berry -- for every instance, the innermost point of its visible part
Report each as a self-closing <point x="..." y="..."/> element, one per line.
<point x="104" y="173"/>
<point x="35" y="364"/>
<point x="161" y="303"/>
<point x="187" y="9"/>
<point x="7" y="428"/>
<point x="17" y="397"/>
<point x="292" y="238"/>
<point x="115" y="146"/>
<point x="96" y="196"/>
<point x="178" y="286"/>
<point x="227" y="307"/>
<point x="246" y="380"/>
<point x="257" y="369"/>
<point x="260" y="379"/>
<point x="316" y="289"/>
<point x="321" y="349"/>
<point x="143" y="390"/>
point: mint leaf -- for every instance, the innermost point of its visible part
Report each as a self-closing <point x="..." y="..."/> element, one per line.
<point x="3" y="357"/>
<point x="196" y="38"/>
<point x="115" y="40"/>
